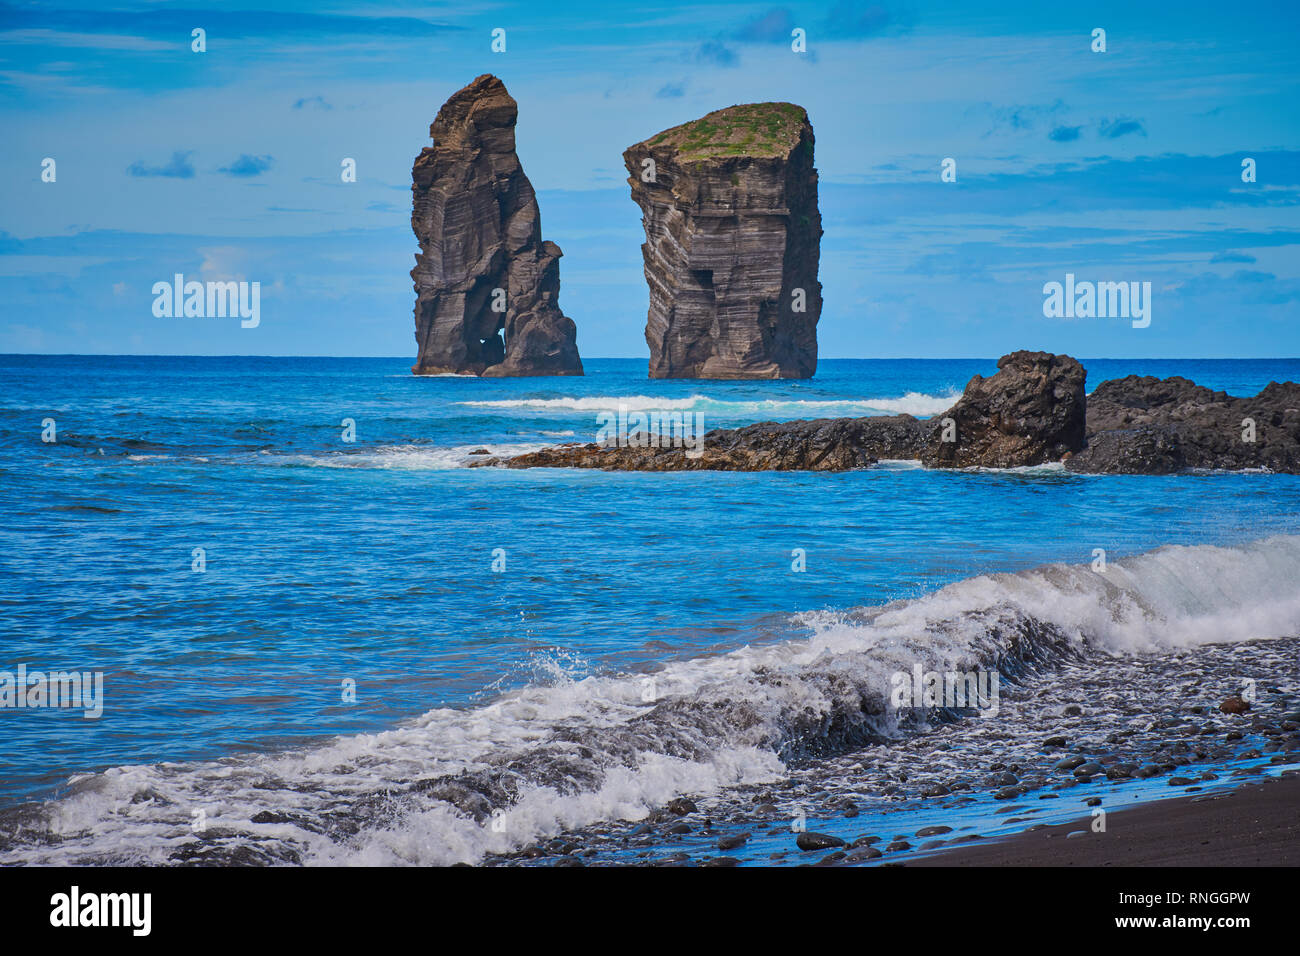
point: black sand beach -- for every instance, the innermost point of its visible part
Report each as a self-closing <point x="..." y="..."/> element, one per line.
<point x="1255" y="825"/>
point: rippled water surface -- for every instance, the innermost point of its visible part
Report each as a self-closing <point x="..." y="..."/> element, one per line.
<point x="373" y="561"/>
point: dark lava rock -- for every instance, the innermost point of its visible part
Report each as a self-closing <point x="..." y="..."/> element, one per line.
<point x="1069" y="763"/>
<point x="830" y="859"/>
<point x="1031" y="412"/>
<point x="1054" y="742"/>
<point x="734" y="842"/>
<point x="681" y="806"/>
<point x="483" y="268"/>
<point x="809" y="841"/>
<point x="673" y="859"/>
<point x="859" y="854"/>
<point x="1234" y="705"/>
<point x="827" y="444"/>
<point x="733" y="238"/>
<point x="1141" y="451"/>
<point x="1146" y="425"/>
<point x="933" y="831"/>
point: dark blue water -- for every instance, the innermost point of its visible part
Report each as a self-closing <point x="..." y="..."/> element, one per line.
<point x="372" y="561"/>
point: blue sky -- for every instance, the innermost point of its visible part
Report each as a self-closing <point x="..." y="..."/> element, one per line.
<point x="1115" y="166"/>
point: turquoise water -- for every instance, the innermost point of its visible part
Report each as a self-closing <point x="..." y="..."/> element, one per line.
<point x="372" y="561"/>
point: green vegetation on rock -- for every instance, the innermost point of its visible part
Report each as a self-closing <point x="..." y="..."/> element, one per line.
<point x="751" y="129"/>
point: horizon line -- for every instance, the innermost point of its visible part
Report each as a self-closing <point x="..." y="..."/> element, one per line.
<point x="599" y="358"/>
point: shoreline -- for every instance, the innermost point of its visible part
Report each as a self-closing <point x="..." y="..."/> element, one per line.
<point x="1064" y="743"/>
<point x="1257" y="824"/>
<point x="1033" y="411"/>
<point x="729" y="765"/>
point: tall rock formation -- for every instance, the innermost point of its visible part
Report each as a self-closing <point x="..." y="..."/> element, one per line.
<point x="483" y="269"/>
<point x="733" y="235"/>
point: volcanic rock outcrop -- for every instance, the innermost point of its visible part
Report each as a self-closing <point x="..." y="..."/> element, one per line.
<point x="483" y="269"/>
<point x="827" y="444"/>
<point x="1147" y="425"/>
<point x="733" y="236"/>
<point x="1031" y="412"/>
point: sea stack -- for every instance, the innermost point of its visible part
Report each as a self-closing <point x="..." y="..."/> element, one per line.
<point x="733" y="235"/>
<point x="487" y="286"/>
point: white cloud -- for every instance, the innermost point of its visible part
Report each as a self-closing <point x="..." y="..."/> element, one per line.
<point x="98" y="41"/>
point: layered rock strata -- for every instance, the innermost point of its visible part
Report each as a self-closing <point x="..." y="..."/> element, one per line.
<point x="733" y="236"/>
<point x="487" y="285"/>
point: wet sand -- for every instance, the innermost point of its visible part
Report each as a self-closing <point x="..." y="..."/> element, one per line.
<point x="1255" y="825"/>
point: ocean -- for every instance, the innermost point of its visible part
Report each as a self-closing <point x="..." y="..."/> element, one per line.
<point x="334" y="651"/>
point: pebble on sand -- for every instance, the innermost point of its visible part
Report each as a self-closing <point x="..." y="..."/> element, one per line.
<point x="809" y="840"/>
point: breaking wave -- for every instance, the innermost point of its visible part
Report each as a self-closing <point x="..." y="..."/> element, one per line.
<point x="456" y="784"/>
<point x="403" y="457"/>
<point x="913" y="403"/>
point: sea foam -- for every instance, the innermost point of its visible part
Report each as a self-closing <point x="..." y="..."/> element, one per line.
<point x="912" y="403"/>
<point x="456" y="784"/>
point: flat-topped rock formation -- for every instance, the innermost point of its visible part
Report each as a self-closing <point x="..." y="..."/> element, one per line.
<point x="1033" y="411"/>
<point x="733" y="237"/>
<point x="487" y="285"/>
